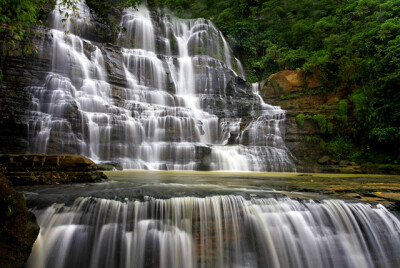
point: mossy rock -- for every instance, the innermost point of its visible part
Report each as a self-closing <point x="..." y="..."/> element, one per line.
<point x="50" y="169"/>
<point x="18" y="227"/>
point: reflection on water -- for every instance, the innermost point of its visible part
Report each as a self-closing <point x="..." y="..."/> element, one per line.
<point x="138" y="185"/>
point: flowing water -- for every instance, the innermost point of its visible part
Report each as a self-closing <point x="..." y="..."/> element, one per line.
<point x="178" y="104"/>
<point x="193" y="220"/>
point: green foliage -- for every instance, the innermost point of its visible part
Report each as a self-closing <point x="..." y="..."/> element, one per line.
<point x="17" y="14"/>
<point x="343" y="108"/>
<point x="300" y="119"/>
<point x="389" y="168"/>
<point x="329" y="127"/>
<point x="360" y="103"/>
<point x="313" y="139"/>
<point x="343" y="111"/>
<point x="16" y="17"/>
<point x="385" y="135"/>
<point x="7" y="205"/>
<point x="339" y="147"/>
<point x="320" y="119"/>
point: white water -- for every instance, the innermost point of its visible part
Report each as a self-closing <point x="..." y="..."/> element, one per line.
<point x="174" y="112"/>
<point x="76" y="21"/>
<point x="218" y="231"/>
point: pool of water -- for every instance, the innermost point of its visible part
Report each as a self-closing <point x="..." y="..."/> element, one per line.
<point x="132" y="185"/>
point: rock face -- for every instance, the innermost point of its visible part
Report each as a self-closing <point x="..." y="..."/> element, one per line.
<point x="49" y="169"/>
<point x="18" y="227"/>
<point x="298" y="93"/>
<point x="288" y="82"/>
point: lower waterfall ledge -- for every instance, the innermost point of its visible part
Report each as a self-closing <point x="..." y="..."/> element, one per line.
<point x="49" y="169"/>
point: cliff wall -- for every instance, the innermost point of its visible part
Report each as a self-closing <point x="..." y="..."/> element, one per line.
<point x="305" y="101"/>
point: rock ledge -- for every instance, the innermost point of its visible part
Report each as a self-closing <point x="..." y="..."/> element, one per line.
<point x="49" y="169"/>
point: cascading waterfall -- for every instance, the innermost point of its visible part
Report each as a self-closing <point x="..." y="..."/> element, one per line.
<point x="217" y="231"/>
<point x="180" y="104"/>
<point x="261" y="142"/>
<point x="69" y="110"/>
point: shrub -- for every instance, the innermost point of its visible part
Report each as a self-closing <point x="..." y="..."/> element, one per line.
<point x="300" y="119"/>
<point x="320" y="119"/>
<point x="343" y="110"/>
<point x="330" y="127"/>
<point x="339" y="147"/>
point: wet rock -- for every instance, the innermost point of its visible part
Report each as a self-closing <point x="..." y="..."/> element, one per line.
<point x="347" y="163"/>
<point x="18" y="227"/>
<point x="203" y="157"/>
<point x="237" y="87"/>
<point x="232" y="138"/>
<point x="324" y="160"/>
<point x="347" y="169"/>
<point x="109" y="166"/>
<point x="50" y="169"/>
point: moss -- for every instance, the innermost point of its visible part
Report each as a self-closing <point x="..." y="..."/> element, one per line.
<point x="320" y="119"/>
<point x="6" y="205"/>
<point x="313" y="139"/>
<point x="330" y="127"/>
<point x="343" y="107"/>
<point x="300" y="120"/>
<point x="343" y="111"/>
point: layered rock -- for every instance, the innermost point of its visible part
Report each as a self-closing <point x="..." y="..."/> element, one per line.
<point x="49" y="169"/>
<point x="303" y="94"/>
<point x="289" y="82"/>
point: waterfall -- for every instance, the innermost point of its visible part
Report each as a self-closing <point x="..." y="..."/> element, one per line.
<point x="77" y="20"/>
<point x="216" y="231"/>
<point x="167" y="98"/>
<point x="140" y="30"/>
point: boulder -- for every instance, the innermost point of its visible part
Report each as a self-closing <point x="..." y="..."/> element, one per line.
<point x="18" y="227"/>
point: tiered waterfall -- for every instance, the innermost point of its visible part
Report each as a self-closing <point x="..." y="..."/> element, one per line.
<point x="169" y="96"/>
